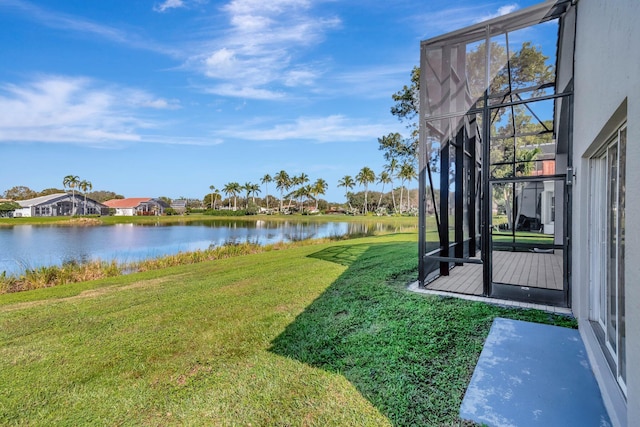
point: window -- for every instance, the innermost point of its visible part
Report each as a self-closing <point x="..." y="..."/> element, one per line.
<point x="607" y="250"/>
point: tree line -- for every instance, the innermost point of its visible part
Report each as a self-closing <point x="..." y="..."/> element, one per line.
<point x="297" y="192"/>
<point x="21" y="192"/>
<point x="294" y="192"/>
<point x="292" y="188"/>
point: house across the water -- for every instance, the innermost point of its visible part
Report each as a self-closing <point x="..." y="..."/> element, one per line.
<point x="136" y="206"/>
<point x="60" y="204"/>
<point x="179" y="205"/>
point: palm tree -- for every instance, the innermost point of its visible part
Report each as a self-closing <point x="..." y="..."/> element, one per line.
<point x="300" y="193"/>
<point x="254" y="189"/>
<point x="307" y="192"/>
<point x="407" y="173"/>
<point x="213" y="189"/>
<point x="391" y="169"/>
<point x="348" y="183"/>
<point x="383" y="178"/>
<point x="295" y="182"/>
<point x="72" y="181"/>
<point x="85" y="186"/>
<point x="319" y="187"/>
<point x="266" y="179"/>
<point x="227" y="190"/>
<point x="303" y="178"/>
<point x="283" y="183"/>
<point x="299" y="181"/>
<point x="215" y="195"/>
<point x="365" y="177"/>
<point x="247" y="188"/>
<point x="236" y="189"/>
<point x="231" y="190"/>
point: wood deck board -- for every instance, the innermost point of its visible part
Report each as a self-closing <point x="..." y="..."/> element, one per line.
<point x="517" y="268"/>
<point x="531" y="271"/>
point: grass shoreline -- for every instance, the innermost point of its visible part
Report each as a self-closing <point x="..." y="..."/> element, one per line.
<point x="77" y="271"/>
<point x="178" y="219"/>
<point x="82" y="271"/>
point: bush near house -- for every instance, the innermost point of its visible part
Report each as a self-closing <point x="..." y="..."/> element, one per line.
<point x="7" y="207"/>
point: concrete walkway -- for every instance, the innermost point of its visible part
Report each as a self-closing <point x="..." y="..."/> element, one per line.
<point x="531" y="374"/>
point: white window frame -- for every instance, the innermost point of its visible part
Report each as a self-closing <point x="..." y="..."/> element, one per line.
<point x="599" y="247"/>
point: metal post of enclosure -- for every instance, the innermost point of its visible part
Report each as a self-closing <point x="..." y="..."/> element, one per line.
<point x="423" y="164"/>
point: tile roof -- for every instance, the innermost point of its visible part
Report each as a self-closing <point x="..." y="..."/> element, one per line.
<point x="131" y="202"/>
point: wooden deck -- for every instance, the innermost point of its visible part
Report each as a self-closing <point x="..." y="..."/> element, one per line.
<point x="537" y="270"/>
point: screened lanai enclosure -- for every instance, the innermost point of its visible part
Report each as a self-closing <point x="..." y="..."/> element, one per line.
<point x="495" y="163"/>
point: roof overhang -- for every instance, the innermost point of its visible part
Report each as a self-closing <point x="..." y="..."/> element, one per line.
<point x="538" y="13"/>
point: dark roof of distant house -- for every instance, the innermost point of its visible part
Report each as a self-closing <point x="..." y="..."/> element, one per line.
<point x="50" y="198"/>
<point x="40" y="200"/>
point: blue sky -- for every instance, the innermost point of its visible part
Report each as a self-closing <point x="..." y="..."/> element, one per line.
<point x="153" y="98"/>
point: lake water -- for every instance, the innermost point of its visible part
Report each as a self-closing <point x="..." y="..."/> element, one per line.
<point x="29" y="246"/>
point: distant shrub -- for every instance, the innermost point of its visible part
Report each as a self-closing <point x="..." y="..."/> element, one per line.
<point x="225" y="213"/>
<point x="307" y="211"/>
<point x="253" y="209"/>
<point x="71" y="271"/>
<point x="382" y="211"/>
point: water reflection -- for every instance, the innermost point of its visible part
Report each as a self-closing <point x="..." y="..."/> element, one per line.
<point x="29" y="246"/>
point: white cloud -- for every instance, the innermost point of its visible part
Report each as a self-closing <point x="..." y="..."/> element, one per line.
<point x="251" y="23"/>
<point x="161" y="104"/>
<point x="138" y="98"/>
<point x="245" y="92"/>
<point x="168" y="4"/>
<point x="238" y="7"/>
<point x="446" y="20"/>
<point x="181" y="140"/>
<point x="221" y="64"/>
<point x="502" y="10"/>
<point x="260" y="46"/>
<point x="299" y="77"/>
<point x="334" y="128"/>
<point x="75" y="110"/>
<point x="371" y="82"/>
<point x="66" y="22"/>
<point x="256" y="48"/>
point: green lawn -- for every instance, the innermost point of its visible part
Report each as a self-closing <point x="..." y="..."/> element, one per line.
<point x="522" y="237"/>
<point x="321" y="335"/>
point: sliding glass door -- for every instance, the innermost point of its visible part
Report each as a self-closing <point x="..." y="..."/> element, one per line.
<point x="606" y="241"/>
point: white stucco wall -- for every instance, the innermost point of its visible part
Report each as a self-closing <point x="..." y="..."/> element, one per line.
<point x="22" y="213"/>
<point x="125" y="212"/>
<point x="607" y="73"/>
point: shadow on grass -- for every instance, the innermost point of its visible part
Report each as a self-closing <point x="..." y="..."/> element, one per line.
<point x="343" y="255"/>
<point x="410" y="355"/>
